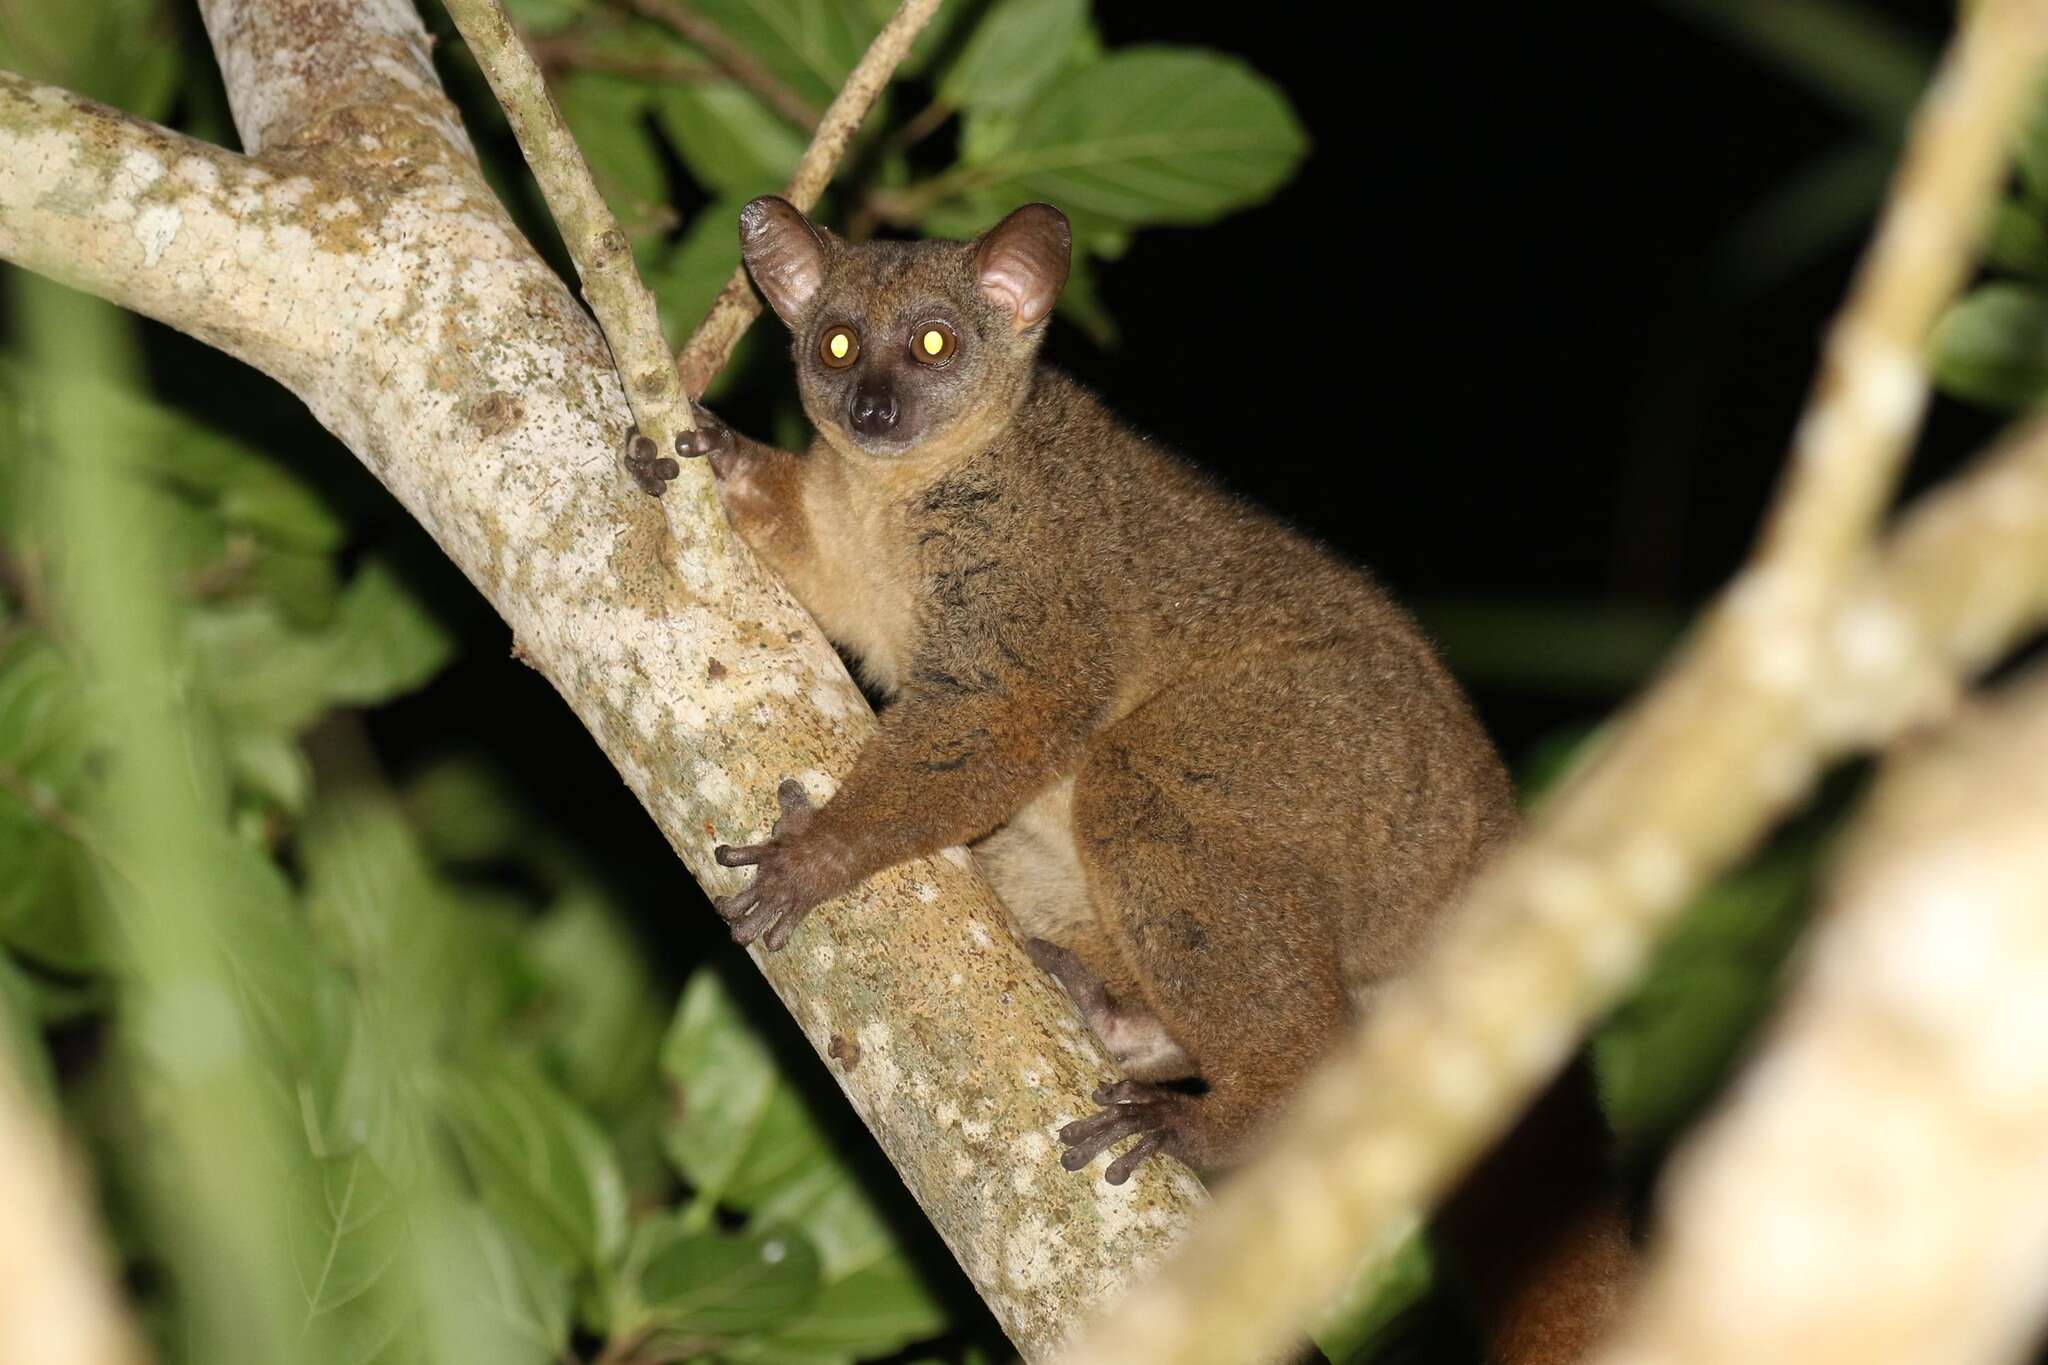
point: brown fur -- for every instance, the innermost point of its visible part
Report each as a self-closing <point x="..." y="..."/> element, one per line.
<point x="1219" y="777"/>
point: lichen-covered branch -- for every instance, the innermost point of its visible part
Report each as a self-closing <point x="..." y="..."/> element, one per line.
<point x="1806" y="654"/>
<point x="58" y="1303"/>
<point x="362" y="262"/>
<point x="601" y="252"/>
<point x="736" y="306"/>
<point x="1876" y="1189"/>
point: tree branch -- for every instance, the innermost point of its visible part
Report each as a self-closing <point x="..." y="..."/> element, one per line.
<point x="736" y="306"/>
<point x="58" y="1304"/>
<point x="363" y="263"/>
<point x="1875" y="1190"/>
<point x="1804" y="656"/>
<point x="602" y="254"/>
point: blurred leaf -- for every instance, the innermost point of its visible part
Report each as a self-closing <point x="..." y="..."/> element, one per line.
<point x="1662" y="1052"/>
<point x="539" y="1163"/>
<point x="443" y="965"/>
<point x="692" y="1285"/>
<point x="21" y="1032"/>
<point x="731" y="141"/>
<point x="871" y="1301"/>
<point x="1992" y="345"/>
<point x="524" y="1294"/>
<point x="2018" y="242"/>
<point x="546" y="16"/>
<point x="811" y="44"/>
<point x="1149" y="135"/>
<point x="466" y="811"/>
<point x="118" y="52"/>
<point x="736" y="1130"/>
<point x="263" y="674"/>
<point x="348" y="1242"/>
<point x="608" y="116"/>
<point x="1016" y="48"/>
<point x="603" y="1020"/>
<point x="744" y="1137"/>
<point x="689" y="276"/>
<point x="1555" y="646"/>
<point x="48" y="899"/>
<point x="1867" y="63"/>
<point x="1354" y="1328"/>
<point x="272" y="766"/>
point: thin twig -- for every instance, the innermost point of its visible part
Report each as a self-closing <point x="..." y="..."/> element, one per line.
<point x="736" y="307"/>
<point x="624" y="308"/>
<point x="569" y="52"/>
<point x="732" y="58"/>
<point x="1797" y="661"/>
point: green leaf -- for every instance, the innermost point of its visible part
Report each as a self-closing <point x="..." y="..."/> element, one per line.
<point x="603" y="1020"/>
<point x="608" y="116"/>
<point x="2018" y="241"/>
<point x="735" y="1129"/>
<point x="713" y="1284"/>
<point x="465" y="811"/>
<point x="1662" y="1052"/>
<point x="522" y="1294"/>
<point x="1017" y="47"/>
<point x="745" y="1138"/>
<point x="120" y="52"/>
<point x="811" y="44"/>
<point x="21" y="1033"/>
<point x="1354" y="1328"/>
<point x="546" y="16"/>
<point x="49" y="903"/>
<point x="731" y="141"/>
<point x="1992" y="345"/>
<point x="688" y="278"/>
<point x="264" y="674"/>
<point x="349" y="1247"/>
<point x="1150" y="135"/>
<point x="539" y="1163"/>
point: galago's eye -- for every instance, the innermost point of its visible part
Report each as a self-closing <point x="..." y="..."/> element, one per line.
<point x="933" y="343"/>
<point x="839" y="347"/>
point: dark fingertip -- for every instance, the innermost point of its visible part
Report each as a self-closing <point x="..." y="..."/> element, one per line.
<point x="1073" y="1161"/>
<point x="665" y="468"/>
<point x="723" y="855"/>
<point x="1117" y="1174"/>
<point x="642" y="446"/>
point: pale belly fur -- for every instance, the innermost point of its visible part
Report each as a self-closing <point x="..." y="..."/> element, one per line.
<point x="1034" y="866"/>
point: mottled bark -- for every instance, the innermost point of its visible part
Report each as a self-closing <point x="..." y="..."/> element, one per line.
<point x="361" y="262"/>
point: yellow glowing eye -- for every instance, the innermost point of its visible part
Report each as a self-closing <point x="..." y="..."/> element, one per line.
<point x="933" y="343"/>
<point x="839" y="347"/>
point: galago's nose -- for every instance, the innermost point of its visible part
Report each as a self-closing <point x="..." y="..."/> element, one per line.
<point x="873" y="409"/>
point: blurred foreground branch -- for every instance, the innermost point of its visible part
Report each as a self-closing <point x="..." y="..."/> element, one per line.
<point x="1812" y="651"/>
<point x="58" y="1304"/>
<point x="1877" y="1189"/>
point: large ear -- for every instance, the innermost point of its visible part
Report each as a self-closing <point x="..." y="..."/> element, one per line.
<point x="784" y="252"/>
<point x="1021" y="263"/>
